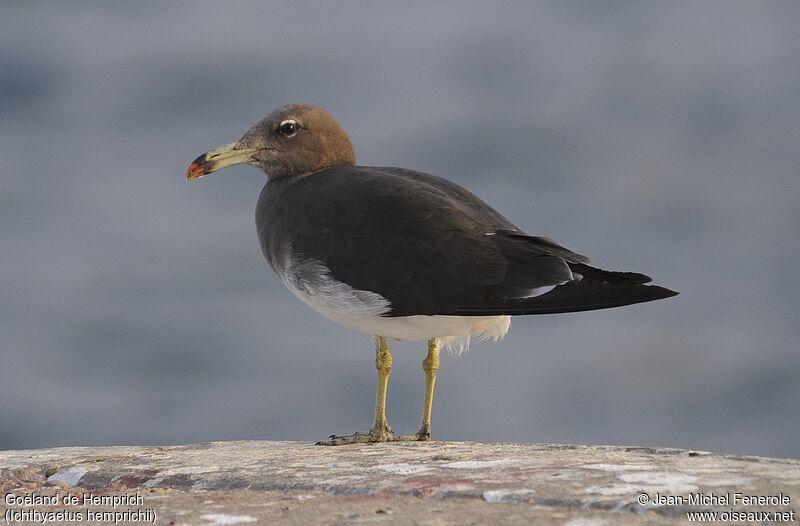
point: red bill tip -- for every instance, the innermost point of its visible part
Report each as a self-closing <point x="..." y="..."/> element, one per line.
<point x="196" y="169"/>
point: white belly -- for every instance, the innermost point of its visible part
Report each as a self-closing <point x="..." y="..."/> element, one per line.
<point x="453" y="332"/>
<point x="363" y="310"/>
<point x="421" y="328"/>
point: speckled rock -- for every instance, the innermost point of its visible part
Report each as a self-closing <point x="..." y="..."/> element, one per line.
<point x="402" y="483"/>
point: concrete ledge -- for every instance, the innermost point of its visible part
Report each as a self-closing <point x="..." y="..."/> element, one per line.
<point x="401" y="483"/>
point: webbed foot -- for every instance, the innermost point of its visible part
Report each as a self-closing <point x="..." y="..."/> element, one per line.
<point x="377" y="434"/>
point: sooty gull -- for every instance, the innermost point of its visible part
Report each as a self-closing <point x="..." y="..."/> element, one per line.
<point x="399" y="254"/>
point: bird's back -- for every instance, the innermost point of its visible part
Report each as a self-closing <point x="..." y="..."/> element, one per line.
<point x="420" y="243"/>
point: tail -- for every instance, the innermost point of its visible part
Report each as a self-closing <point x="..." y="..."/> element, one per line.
<point x="592" y="289"/>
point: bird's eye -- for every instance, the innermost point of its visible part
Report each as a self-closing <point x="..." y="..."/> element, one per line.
<point x="288" y="128"/>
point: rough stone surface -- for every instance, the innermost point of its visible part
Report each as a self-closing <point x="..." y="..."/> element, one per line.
<point x="401" y="483"/>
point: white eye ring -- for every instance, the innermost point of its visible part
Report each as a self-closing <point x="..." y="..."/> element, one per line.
<point x="289" y="127"/>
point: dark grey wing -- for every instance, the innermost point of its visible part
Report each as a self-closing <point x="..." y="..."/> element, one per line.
<point x="530" y="262"/>
<point x="425" y="246"/>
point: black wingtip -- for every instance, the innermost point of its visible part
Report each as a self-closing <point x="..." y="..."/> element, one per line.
<point x="611" y="276"/>
<point x="667" y="293"/>
<point x="652" y="293"/>
<point x="575" y="296"/>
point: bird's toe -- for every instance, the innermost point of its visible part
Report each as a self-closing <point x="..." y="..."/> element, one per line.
<point x="379" y="433"/>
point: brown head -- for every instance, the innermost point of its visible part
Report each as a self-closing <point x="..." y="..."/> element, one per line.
<point x="295" y="139"/>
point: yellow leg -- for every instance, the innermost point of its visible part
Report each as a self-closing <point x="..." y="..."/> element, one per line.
<point x="383" y="363"/>
<point x="380" y="432"/>
<point x="431" y="366"/>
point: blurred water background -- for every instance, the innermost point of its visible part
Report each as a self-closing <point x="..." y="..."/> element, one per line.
<point x="655" y="137"/>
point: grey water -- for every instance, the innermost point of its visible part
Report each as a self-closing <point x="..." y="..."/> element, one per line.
<point x="654" y="137"/>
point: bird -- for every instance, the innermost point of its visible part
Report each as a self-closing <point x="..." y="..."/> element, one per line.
<point x="400" y="254"/>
